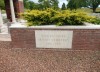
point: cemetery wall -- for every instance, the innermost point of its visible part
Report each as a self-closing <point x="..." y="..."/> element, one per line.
<point x="82" y="39"/>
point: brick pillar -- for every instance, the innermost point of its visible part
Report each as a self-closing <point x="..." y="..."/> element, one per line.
<point x="8" y="11"/>
<point x="18" y="7"/>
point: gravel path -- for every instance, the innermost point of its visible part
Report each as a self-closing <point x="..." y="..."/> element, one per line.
<point x="32" y="60"/>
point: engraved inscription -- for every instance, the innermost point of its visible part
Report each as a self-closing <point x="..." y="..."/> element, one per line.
<point x="20" y="0"/>
<point x="53" y="39"/>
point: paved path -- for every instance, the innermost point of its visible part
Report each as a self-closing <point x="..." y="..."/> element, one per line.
<point x="5" y="37"/>
<point x="4" y="33"/>
<point x="4" y="30"/>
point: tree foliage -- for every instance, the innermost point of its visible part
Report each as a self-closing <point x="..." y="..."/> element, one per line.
<point x="2" y="6"/>
<point x="55" y="4"/>
<point x="45" y="4"/>
<point x="26" y="4"/>
<point x="94" y="4"/>
<point x="49" y="4"/>
<point x="63" y="6"/>
<point x="74" y="4"/>
<point x="41" y="5"/>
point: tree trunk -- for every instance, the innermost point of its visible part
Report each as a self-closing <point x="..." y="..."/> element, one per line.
<point x="95" y="5"/>
<point x="94" y="10"/>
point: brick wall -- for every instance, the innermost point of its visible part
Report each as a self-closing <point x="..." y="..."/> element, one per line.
<point x="83" y="39"/>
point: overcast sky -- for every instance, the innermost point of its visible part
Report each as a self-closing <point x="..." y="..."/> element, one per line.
<point x="60" y="2"/>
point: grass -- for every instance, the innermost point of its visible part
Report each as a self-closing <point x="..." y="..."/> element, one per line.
<point x="90" y="10"/>
<point x="98" y="10"/>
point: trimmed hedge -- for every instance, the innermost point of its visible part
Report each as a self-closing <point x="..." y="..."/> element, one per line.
<point x="59" y="18"/>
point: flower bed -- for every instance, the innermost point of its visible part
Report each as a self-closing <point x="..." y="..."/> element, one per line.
<point x="59" y="18"/>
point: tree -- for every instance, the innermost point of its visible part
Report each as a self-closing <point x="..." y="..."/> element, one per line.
<point x="26" y="4"/>
<point x="74" y="4"/>
<point x="54" y="4"/>
<point x="63" y="6"/>
<point x="94" y="4"/>
<point x="2" y="6"/>
<point x="49" y="4"/>
<point x="45" y="4"/>
<point x="31" y="5"/>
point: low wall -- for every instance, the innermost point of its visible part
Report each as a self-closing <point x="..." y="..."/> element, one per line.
<point x="82" y="37"/>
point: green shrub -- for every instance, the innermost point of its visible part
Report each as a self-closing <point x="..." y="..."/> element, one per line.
<point x="59" y="18"/>
<point x="95" y="21"/>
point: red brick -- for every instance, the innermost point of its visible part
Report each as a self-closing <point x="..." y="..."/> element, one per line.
<point x="84" y="39"/>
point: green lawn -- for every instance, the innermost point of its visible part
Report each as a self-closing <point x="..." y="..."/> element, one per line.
<point x="90" y="10"/>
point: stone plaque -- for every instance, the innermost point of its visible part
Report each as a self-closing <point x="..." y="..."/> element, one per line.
<point x="20" y="0"/>
<point x="53" y="39"/>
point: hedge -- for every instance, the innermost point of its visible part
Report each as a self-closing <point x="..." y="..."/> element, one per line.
<point x="59" y="18"/>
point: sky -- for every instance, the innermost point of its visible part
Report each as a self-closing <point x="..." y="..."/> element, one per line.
<point x="60" y="2"/>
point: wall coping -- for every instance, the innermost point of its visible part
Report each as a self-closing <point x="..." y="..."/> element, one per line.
<point x="56" y="27"/>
